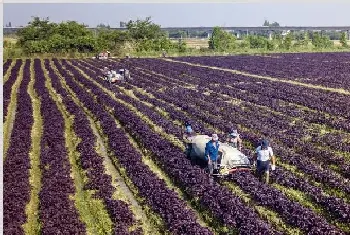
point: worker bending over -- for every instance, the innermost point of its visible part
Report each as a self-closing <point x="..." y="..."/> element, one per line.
<point x="263" y="155"/>
<point x="234" y="140"/>
<point x="211" y="154"/>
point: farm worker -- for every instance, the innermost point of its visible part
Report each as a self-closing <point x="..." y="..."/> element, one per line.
<point x="105" y="71"/>
<point x="127" y="74"/>
<point x="234" y="140"/>
<point x="187" y="138"/>
<point x="109" y="76"/>
<point x="264" y="154"/>
<point x="211" y="153"/>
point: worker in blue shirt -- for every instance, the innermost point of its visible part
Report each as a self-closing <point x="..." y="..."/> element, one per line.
<point x="211" y="153"/>
<point x="187" y="138"/>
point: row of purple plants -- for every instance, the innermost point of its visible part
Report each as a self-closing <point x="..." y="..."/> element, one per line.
<point x="8" y="85"/>
<point x="17" y="162"/>
<point x="226" y="207"/>
<point x="57" y="212"/>
<point x="325" y="73"/>
<point x="261" y="91"/>
<point x="165" y="202"/>
<point x="91" y="162"/>
<point x="280" y="122"/>
<point x="6" y="66"/>
<point x="340" y="209"/>
<point x="290" y="217"/>
<point x="324" y="176"/>
<point x="334" y="140"/>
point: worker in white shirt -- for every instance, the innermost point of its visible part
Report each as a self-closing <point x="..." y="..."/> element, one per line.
<point x="263" y="155"/>
<point x="105" y="73"/>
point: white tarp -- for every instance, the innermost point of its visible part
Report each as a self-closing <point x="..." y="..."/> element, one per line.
<point x="230" y="156"/>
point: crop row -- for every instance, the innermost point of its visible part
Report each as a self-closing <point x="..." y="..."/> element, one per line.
<point x="6" y="66"/>
<point x="9" y="84"/>
<point x="328" y="74"/>
<point x="17" y="163"/>
<point x="226" y="207"/>
<point x="91" y="162"/>
<point x="333" y="140"/>
<point x="179" y="219"/>
<point x="261" y="91"/>
<point x="321" y="224"/>
<point x="57" y="211"/>
<point x="171" y="110"/>
<point x="179" y="115"/>
<point x="296" y="132"/>
<point x="337" y="207"/>
<point x="325" y="57"/>
<point x="193" y="105"/>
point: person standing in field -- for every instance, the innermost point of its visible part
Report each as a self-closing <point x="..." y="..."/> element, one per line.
<point x="263" y="155"/>
<point x="187" y="138"/>
<point x="105" y="72"/>
<point x="234" y="140"/>
<point x="211" y="154"/>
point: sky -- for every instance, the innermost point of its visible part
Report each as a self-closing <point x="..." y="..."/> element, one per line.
<point x="184" y="14"/>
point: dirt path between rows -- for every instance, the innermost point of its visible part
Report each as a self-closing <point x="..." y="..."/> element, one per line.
<point x="123" y="192"/>
<point x="111" y="170"/>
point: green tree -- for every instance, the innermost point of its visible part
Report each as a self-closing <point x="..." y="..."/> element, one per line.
<point x="144" y="29"/>
<point x="42" y="36"/>
<point x="343" y="40"/>
<point x="221" y="40"/>
<point x="112" y="39"/>
<point x="306" y="39"/>
<point x="37" y="29"/>
<point x="72" y="29"/>
<point x="321" y="41"/>
<point x="181" y="46"/>
<point x="287" y="42"/>
<point x="148" y="36"/>
<point x="316" y="40"/>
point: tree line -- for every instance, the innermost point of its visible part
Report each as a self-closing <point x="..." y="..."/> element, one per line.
<point x="224" y="41"/>
<point x="43" y="36"/>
